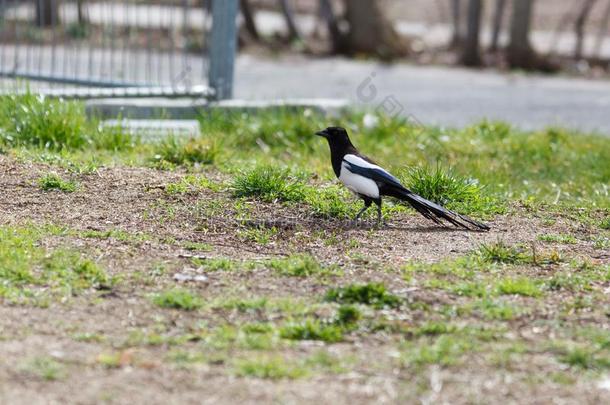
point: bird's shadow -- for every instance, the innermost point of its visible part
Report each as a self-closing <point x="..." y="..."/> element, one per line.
<point x="434" y="229"/>
<point x="416" y="229"/>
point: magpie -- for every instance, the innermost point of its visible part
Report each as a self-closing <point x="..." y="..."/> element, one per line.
<point x="367" y="180"/>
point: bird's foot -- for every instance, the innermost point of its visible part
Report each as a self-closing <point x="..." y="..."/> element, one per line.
<point x="381" y="225"/>
<point x="355" y="223"/>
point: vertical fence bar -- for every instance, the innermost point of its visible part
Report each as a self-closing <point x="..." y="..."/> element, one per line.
<point x="16" y="47"/>
<point x="185" y="35"/>
<point x="126" y="38"/>
<point x="92" y="43"/>
<point x="54" y="24"/>
<point x="223" y="47"/>
<point x="3" y="27"/>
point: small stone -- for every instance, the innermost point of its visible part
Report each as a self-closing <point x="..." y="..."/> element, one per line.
<point x="183" y="277"/>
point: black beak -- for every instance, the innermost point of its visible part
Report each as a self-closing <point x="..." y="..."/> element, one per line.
<point x="322" y="134"/>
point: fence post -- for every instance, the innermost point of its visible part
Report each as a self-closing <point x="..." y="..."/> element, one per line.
<point x="223" y="47"/>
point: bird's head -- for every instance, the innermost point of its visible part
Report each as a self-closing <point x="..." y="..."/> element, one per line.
<point x="335" y="135"/>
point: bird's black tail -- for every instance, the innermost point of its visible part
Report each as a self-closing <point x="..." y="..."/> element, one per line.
<point x="436" y="212"/>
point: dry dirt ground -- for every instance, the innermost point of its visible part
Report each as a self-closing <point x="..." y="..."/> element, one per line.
<point x="114" y="345"/>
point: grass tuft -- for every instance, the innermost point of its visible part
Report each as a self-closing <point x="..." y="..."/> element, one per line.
<point x="445" y="351"/>
<point x="564" y="239"/>
<point x="519" y="286"/>
<point x="178" y="299"/>
<point x="46" y="368"/>
<point x="301" y="265"/>
<point x="374" y="294"/>
<point x="115" y="139"/>
<point x="501" y="253"/>
<point x="451" y="190"/>
<point x="177" y="151"/>
<point x="269" y="184"/>
<point x="31" y="120"/>
<point x="348" y="316"/>
<point x="52" y="181"/>
<point x="273" y="368"/>
<point x="585" y="359"/>
<point x="192" y="184"/>
<point x="435" y="328"/>
<point x="312" y="330"/>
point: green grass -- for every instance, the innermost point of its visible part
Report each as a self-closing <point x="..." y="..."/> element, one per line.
<point x="434" y="328"/>
<point x="177" y="151"/>
<point x="268" y="367"/>
<point x="519" y="286"/>
<point x="269" y="183"/>
<point x="444" y="350"/>
<point x="484" y="165"/>
<point x="178" y="299"/>
<point x="311" y="329"/>
<point x="497" y="310"/>
<point x="301" y="265"/>
<point x="36" y="121"/>
<point x="245" y="305"/>
<point x="197" y="246"/>
<point x="29" y="272"/>
<point x="117" y="234"/>
<point x="564" y="239"/>
<point x="192" y="184"/>
<point x="348" y="316"/>
<point x="52" y="181"/>
<point x="502" y="253"/>
<point x="276" y="367"/>
<point x="373" y="294"/>
<point x="453" y="191"/>
<point x="215" y="264"/>
<point x="601" y="242"/>
<point x="585" y="358"/>
<point x="548" y="165"/>
<point x="259" y="234"/>
<point x="331" y="202"/>
<point x="49" y="124"/>
<point x="45" y="368"/>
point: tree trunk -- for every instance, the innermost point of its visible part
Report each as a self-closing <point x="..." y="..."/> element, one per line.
<point x="579" y="27"/>
<point x="330" y="19"/>
<point x="520" y="53"/>
<point x="601" y="34"/>
<point x="456" y="14"/>
<point x="47" y="12"/>
<point x="249" y="22"/>
<point x="370" y="32"/>
<point x="471" y="55"/>
<point x="293" y="31"/>
<point x="497" y="24"/>
<point x="559" y="29"/>
<point x="80" y="12"/>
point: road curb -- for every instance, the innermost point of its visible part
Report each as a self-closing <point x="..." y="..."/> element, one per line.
<point x="180" y="109"/>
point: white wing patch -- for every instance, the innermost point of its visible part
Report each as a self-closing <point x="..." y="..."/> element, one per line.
<point x="358" y="161"/>
<point x="357" y="183"/>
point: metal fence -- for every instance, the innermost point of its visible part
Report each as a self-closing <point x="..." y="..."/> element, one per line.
<point x="140" y="48"/>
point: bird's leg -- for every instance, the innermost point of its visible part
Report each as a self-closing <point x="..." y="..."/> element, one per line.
<point x="379" y="216"/>
<point x="367" y="204"/>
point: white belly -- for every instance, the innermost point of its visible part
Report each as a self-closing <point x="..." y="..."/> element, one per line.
<point x="358" y="184"/>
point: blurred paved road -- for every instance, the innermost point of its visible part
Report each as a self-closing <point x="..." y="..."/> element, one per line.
<point x="434" y="95"/>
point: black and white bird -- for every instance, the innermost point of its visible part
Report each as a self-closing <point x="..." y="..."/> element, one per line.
<point x="370" y="182"/>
